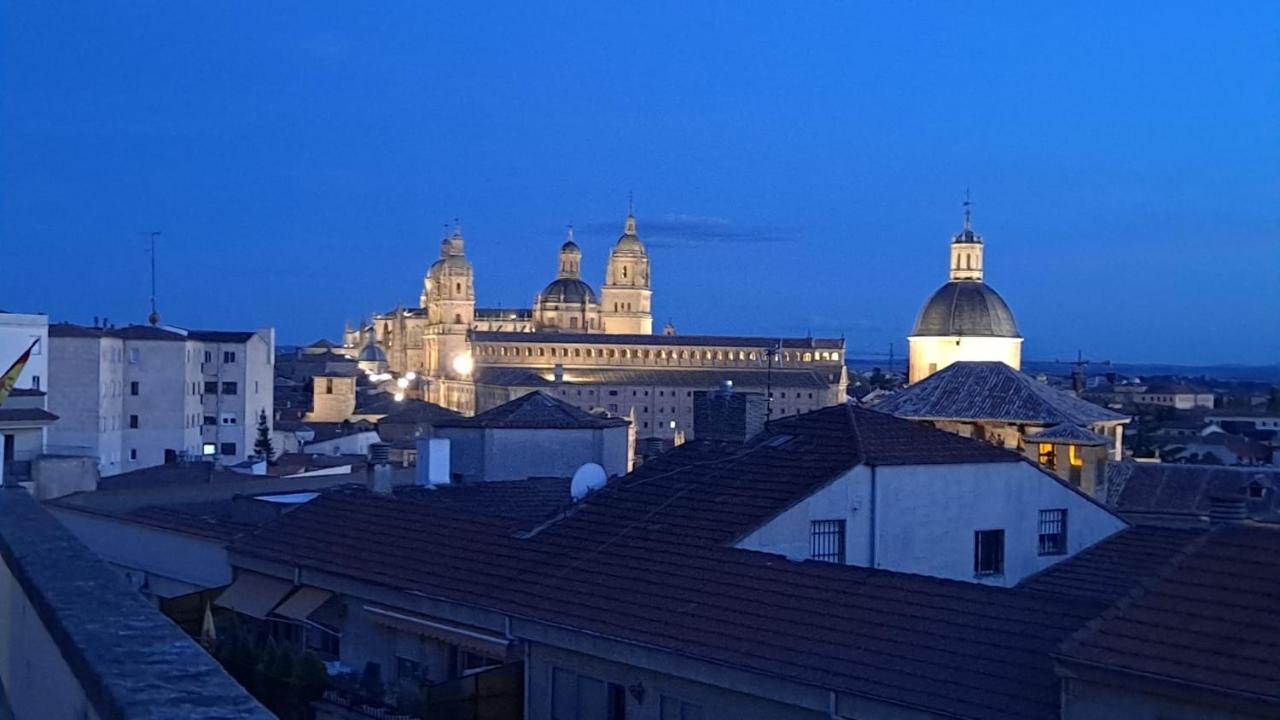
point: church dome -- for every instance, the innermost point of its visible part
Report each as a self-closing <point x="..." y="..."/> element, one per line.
<point x="629" y="242"/>
<point x="570" y="246"/>
<point x="966" y="308"/>
<point x="568" y="290"/>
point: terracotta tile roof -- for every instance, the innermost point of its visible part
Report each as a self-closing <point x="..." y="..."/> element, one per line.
<point x="1112" y="568"/>
<point x="992" y="391"/>
<point x="535" y="410"/>
<point x="1207" y="620"/>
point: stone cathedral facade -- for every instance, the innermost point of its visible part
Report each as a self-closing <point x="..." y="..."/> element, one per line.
<point x="596" y="350"/>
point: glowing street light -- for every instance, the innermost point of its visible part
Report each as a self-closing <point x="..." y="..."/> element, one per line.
<point x="463" y="364"/>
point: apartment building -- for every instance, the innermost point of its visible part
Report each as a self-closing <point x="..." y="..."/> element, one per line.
<point x="141" y="396"/>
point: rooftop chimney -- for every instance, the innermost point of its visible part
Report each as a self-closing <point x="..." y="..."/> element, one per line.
<point x="727" y="416"/>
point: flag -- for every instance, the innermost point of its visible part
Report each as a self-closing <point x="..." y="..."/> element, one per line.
<point x="10" y="377"/>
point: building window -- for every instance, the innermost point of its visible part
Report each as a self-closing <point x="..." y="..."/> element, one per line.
<point x="208" y="356"/>
<point x="229" y="419"/>
<point x="228" y="448"/>
<point x="133" y="422"/>
<point x="228" y="388"/>
<point x="328" y="386"/>
<point x="208" y="448"/>
<point x="133" y="453"/>
<point x="35" y="382"/>
<point x="408" y="670"/>
<point x="211" y="387"/>
<point x="1053" y="532"/>
<point x="1048" y="458"/>
<point x="210" y="420"/>
<point x="988" y="552"/>
<point x="826" y="540"/>
<point x="133" y="388"/>
<point x="228" y="356"/>
<point x="133" y="356"/>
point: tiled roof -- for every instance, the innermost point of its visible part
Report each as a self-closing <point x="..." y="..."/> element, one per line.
<point x="161" y="475"/>
<point x="520" y="504"/>
<point x="1162" y="491"/>
<point x="1112" y="568"/>
<point x="962" y="649"/>
<point x="26" y="415"/>
<point x="535" y="410"/>
<point x="417" y="412"/>
<point x="676" y="377"/>
<point x="1208" y="620"/>
<point x="992" y="391"/>
<point x="666" y="340"/>
<point x="1068" y="434"/>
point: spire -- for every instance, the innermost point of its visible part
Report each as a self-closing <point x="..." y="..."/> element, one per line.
<point x="568" y="237"/>
<point x="455" y="242"/>
<point x="968" y="205"/>
<point x="630" y="228"/>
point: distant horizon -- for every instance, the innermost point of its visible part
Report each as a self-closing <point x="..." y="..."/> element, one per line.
<point x="793" y="172"/>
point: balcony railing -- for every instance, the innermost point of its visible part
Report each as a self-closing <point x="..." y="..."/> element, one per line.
<point x="78" y="642"/>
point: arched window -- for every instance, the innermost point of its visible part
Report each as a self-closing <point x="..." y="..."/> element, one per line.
<point x="808" y="357"/>
<point x="624" y="271"/>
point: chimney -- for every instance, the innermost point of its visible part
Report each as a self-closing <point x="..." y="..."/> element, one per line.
<point x="379" y="478"/>
<point x="558" y="371"/>
<point x="1227" y="510"/>
<point x="433" y="462"/>
<point x="727" y="416"/>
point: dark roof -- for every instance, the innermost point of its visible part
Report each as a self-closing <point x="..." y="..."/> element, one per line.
<point x="417" y="412"/>
<point x="706" y="378"/>
<point x="322" y="343"/>
<point x="1068" y="434"/>
<point x="535" y="410"/>
<point x="1112" y="568"/>
<point x="161" y="475"/>
<point x="1207" y="620"/>
<point x="992" y="391"/>
<point x="963" y="649"/>
<point x="221" y="336"/>
<point x="26" y="392"/>
<point x="686" y="340"/>
<point x="1154" y="492"/>
<point x="522" y="504"/>
<point x="966" y="308"/>
<point x="26" y="415"/>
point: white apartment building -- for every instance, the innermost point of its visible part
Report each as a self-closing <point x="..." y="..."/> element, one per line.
<point x="24" y="418"/>
<point x="141" y="396"/>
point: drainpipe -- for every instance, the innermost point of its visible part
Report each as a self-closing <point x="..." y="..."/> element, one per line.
<point x="875" y="516"/>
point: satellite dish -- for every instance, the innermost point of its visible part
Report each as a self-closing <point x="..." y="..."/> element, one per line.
<point x="586" y="480"/>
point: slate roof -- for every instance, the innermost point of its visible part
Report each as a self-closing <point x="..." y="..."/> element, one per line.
<point x="667" y="340"/>
<point x="418" y="413"/>
<point x="1159" y="492"/>
<point x="992" y="391"/>
<point x="681" y="377"/>
<point x="535" y="410"/>
<point x="1208" y="620"/>
<point x="1068" y="434"/>
<point x="965" y="308"/>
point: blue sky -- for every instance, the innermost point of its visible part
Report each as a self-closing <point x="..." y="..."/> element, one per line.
<point x="796" y="167"/>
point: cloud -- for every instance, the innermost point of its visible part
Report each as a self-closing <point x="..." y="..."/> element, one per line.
<point x="693" y="231"/>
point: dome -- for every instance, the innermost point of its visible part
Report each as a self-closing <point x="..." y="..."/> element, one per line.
<point x="451" y="262"/>
<point x="570" y="246"/>
<point x="629" y="241"/>
<point x="568" y="290"/>
<point x="371" y="352"/>
<point x="966" y="308"/>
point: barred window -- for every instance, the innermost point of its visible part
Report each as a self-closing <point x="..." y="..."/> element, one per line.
<point x="988" y="552"/>
<point x="1053" y="532"/>
<point x="826" y="540"/>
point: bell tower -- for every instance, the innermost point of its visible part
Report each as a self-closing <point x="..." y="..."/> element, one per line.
<point x="626" y="297"/>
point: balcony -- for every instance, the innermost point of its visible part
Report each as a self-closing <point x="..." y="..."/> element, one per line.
<point x="76" y="641"/>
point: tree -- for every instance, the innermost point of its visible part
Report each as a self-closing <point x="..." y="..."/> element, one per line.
<point x="262" y="445"/>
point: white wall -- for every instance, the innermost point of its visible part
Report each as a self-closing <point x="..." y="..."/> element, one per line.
<point x="17" y="331"/>
<point x="515" y="454"/>
<point x="922" y="518"/>
<point x="924" y="351"/>
<point x="353" y="444"/>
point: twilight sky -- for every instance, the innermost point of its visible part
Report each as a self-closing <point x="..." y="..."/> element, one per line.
<point x="796" y="167"/>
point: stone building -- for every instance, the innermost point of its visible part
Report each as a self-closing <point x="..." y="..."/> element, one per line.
<point x="965" y="319"/>
<point x="594" y="350"/>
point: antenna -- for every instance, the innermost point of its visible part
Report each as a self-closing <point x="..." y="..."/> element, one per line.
<point x="586" y="480"/>
<point x="154" y="317"/>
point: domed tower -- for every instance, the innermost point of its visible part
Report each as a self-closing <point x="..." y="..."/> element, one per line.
<point x="449" y="298"/>
<point x="371" y="357"/>
<point x="568" y="303"/>
<point x="966" y="319"/>
<point x="626" y="298"/>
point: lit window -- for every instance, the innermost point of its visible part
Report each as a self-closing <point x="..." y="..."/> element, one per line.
<point x="1048" y="458"/>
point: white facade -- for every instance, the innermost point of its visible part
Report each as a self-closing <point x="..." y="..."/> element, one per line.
<point x="137" y="397"/>
<point x="928" y="355"/>
<point x="17" y="332"/>
<point x="923" y="519"/>
<point x="489" y="454"/>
